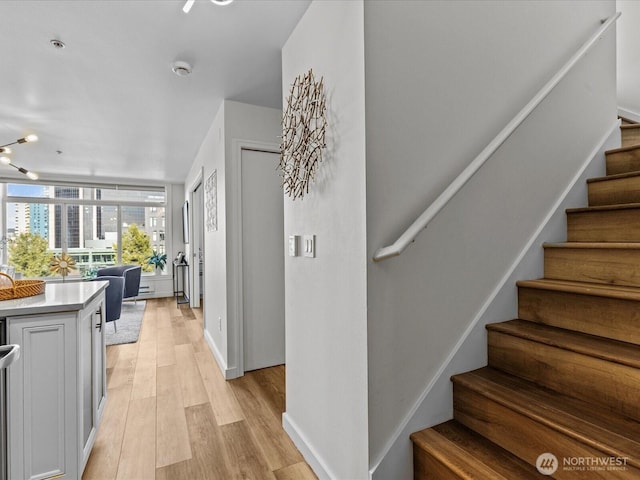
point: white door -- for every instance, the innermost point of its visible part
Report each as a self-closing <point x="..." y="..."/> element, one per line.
<point x="262" y="260"/>
<point x="197" y="246"/>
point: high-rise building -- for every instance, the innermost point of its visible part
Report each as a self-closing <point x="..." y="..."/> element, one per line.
<point x="39" y="219"/>
<point x="21" y="218"/>
<point x="73" y="218"/>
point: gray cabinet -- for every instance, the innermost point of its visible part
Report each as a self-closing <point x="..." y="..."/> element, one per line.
<point x="56" y="390"/>
<point x="92" y="383"/>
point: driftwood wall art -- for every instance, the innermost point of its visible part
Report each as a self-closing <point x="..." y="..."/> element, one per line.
<point x="303" y="134"/>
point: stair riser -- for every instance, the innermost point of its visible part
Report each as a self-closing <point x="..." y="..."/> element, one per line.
<point x="525" y="437"/>
<point x="426" y="467"/>
<point x="615" y="191"/>
<point x="607" y="226"/>
<point x="623" y="162"/>
<point x="598" y="265"/>
<point x="611" y="385"/>
<point x="602" y="316"/>
<point x="630" y="136"/>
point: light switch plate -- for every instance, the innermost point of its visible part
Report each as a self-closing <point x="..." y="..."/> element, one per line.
<point x="309" y="246"/>
<point x="293" y="245"/>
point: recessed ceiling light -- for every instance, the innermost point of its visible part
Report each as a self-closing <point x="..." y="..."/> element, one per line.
<point x="222" y="2"/>
<point x="59" y="44"/>
<point x="180" y="68"/>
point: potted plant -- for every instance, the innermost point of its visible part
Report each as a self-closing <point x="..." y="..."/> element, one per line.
<point x="158" y="261"/>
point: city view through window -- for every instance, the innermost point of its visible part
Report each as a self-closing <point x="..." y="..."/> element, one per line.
<point x="97" y="227"/>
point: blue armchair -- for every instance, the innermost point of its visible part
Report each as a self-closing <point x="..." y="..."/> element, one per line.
<point x="113" y="298"/>
<point x="131" y="275"/>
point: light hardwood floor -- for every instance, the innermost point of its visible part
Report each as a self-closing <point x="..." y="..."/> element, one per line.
<point x="170" y="415"/>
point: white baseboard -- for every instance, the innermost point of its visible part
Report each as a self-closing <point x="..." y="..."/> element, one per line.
<point x="316" y="463"/>
<point x="435" y="404"/>
<point x="631" y="115"/>
<point x="228" y="373"/>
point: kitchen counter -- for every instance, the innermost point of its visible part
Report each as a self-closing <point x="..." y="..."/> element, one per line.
<point x="58" y="297"/>
<point x="56" y="389"/>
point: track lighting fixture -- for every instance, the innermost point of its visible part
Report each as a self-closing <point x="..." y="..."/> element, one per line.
<point x="5" y="150"/>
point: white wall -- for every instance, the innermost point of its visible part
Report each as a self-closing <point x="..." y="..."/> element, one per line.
<point x="176" y="198"/>
<point x="629" y="59"/>
<point x="211" y="156"/>
<point x="326" y="317"/>
<point x="442" y="79"/>
<point x="234" y="121"/>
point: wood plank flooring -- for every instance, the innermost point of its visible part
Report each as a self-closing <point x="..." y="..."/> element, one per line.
<point x="170" y="414"/>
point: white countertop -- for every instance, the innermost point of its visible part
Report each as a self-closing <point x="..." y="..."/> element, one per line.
<point x="58" y="297"/>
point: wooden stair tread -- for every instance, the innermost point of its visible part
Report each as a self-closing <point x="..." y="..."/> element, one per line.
<point x="604" y="208"/>
<point x="603" y="430"/>
<point x="470" y="455"/>
<point x="627" y="120"/>
<point x="595" y="245"/>
<point x="604" y="348"/>
<point x="617" y="176"/>
<point x="622" y="149"/>
<point x="584" y="288"/>
<point x="633" y="126"/>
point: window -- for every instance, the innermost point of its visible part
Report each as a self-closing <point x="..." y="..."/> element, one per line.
<point x="97" y="226"/>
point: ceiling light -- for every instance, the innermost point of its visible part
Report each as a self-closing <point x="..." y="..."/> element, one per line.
<point x="28" y="139"/>
<point x="7" y="161"/>
<point x="31" y="175"/>
<point x="187" y="6"/>
<point x="180" y="68"/>
<point x="189" y="3"/>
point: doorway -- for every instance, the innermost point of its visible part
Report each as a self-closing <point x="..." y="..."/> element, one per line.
<point x="262" y="213"/>
<point x="197" y="245"/>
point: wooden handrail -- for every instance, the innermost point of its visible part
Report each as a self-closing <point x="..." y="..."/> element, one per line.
<point x="423" y="220"/>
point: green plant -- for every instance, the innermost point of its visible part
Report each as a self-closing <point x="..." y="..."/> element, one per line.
<point x="158" y="260"/>
<point x="91" y="272"/>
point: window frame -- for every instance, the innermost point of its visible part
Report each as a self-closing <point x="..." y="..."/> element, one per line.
<point x="81" y="202"/>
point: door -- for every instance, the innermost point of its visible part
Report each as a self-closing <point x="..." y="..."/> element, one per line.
<point x="197" y="246"/>
<point x="262" y="260"/>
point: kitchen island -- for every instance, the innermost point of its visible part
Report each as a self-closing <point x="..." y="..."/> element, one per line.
<point x="57" y="388"/>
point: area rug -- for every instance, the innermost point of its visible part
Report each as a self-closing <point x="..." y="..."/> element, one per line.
<point x="129" y="324"/>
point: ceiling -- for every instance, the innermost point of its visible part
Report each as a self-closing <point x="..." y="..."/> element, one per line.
<point x="108" y="104"/>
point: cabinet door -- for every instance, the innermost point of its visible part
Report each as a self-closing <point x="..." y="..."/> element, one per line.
<point x="92" y="385"/>
<point x="99" y="363"/>
<point x="42" y="400"/>
<point x="86" y="415"/>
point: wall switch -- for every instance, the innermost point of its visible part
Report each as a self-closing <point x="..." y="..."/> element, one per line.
<point x="293" y="245"/>
<point x="219" y="324"/>
<point x="309" y="246"/>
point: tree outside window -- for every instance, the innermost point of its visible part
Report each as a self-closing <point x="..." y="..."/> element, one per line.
<point x="29" y="255"/>
<point x="136" y="248"/>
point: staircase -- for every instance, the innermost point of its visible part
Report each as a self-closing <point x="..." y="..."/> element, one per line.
<point x="560" y="397"/>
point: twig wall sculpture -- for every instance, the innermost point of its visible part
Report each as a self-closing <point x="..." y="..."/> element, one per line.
<point x="303" y="134"/>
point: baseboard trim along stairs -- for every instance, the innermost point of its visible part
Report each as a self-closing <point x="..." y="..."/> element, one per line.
<point x="560" y="396"/>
